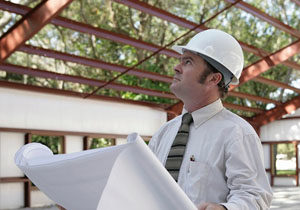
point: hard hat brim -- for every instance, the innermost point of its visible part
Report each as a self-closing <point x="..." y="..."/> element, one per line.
<point x="226" y="73"/>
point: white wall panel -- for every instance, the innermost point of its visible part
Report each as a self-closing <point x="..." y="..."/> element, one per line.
<point x="121" y="141"/>
<point x="269" y="176"/>
<point x="266" y="150"/>
<point x="299" y="156"/>
<point x="24" y="109"/>
<point x="38" y="198"/>
<point x="11" y="195"/>
<point x="9" y="145"/>
<point x="74" y="144"/>
<point x="284" y="181"/>
<point x="31" y="110"/>
<point x="281" y="130"/>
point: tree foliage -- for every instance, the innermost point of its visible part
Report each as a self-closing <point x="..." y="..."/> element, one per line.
<point x="101" y="142"/>
<point x="288" y="149"/>
<point x="52" y="142"/>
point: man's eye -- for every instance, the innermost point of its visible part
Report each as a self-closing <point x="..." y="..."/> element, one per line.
<point x="187" y="62"/>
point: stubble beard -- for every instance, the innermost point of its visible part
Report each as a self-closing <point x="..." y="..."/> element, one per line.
<point x="177" y="90"/>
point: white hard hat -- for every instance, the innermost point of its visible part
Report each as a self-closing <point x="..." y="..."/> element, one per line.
<point x="220" y="50"/>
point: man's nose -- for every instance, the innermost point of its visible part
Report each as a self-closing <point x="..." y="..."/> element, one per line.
<point x="177" y="68"/>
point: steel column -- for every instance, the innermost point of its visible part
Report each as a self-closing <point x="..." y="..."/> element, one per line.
<point x="27" y="185"/>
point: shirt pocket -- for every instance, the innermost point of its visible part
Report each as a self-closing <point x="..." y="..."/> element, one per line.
<point x="197" y="180"/>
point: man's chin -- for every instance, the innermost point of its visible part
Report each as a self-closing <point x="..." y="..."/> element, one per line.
<point x="175" y="90"/>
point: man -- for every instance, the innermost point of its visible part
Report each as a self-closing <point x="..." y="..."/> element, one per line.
<point x="221" y="166"/>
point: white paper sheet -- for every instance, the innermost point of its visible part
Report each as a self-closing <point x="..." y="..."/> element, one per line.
<point x="127" y="177"/>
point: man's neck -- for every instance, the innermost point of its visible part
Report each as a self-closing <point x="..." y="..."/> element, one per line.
<point x="194" y="105"/>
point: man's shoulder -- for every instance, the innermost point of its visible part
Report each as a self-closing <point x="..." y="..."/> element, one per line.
<point x="232" y="120"/>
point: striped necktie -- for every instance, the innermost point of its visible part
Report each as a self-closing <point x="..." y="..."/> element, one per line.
<point x="177" y="150"/>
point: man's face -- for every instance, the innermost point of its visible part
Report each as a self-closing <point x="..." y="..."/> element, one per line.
<point x="187" y="75"/>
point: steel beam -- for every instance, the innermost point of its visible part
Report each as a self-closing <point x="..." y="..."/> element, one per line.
<point x="266" y="63"/>
<point x="93" y="63"/>
<point x="101" y="33"/>
<point x="291" y="64"/>
<point x="144" y="7"/>
<point x="265" y="17"/>
<point x="277" y="112"/>
<point x="54" y="91"/>
<point x="243" y="108"/>
<point x="29" y="25"/>
<point x="85" y="28"/>
<point x="13" y="179"/>
<point x="252" y="97"/>
<point x="81" y="80"/>
<point x="276" y="83"/>
<point x="296" y="2"/>
<point x="101" y="64"/>
<point x="154" y="11"/>
<point x="176" y="109"/>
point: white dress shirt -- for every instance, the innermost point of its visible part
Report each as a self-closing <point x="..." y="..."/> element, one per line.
<point x="227" y="160"/>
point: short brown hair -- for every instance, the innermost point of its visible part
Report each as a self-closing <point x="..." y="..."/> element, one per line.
<point x="223" y="88"/>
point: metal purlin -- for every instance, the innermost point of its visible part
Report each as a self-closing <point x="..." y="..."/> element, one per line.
<point x="160" y="49"/>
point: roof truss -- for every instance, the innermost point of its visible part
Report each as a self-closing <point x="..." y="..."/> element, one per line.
<point x="47" y="12"/>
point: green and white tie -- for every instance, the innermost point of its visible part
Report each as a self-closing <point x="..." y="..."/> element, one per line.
<point x="177" y="150"/>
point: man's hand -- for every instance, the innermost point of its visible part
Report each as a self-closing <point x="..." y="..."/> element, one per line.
<point x="211" y="206"/>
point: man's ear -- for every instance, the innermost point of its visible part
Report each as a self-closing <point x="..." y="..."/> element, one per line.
<point x="214" y="78"/>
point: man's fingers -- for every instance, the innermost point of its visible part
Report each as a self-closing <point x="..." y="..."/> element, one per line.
<point x="203" y="206"/>
<point x="210" y="206"/>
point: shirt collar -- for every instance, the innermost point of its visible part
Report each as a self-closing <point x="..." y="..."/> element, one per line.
<point x="205" y="113"/>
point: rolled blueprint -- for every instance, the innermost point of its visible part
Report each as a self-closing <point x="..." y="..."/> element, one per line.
<point x="127" y="177"/>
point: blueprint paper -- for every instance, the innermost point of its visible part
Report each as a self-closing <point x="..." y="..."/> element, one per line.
<point x="127" y="177"/>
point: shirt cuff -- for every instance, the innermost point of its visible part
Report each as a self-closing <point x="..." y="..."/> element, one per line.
<point x="230" y="206"/>
<point x="224" y="206"/>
